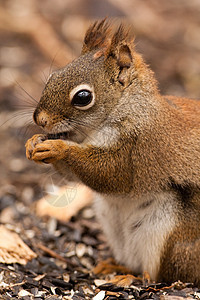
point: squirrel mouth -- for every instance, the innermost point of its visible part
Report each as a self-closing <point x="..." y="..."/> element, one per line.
<point x="65" y="135"/>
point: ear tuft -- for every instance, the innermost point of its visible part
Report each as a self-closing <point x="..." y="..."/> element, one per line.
<point x="97" y="36"/>
<point x="110" y="41"/>
<point x="122" y="36"/>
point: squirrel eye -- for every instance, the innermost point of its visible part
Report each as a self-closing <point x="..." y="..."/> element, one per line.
<point x="82" y="98"/>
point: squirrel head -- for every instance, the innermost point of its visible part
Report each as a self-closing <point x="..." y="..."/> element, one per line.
<point x="81" y="95"/>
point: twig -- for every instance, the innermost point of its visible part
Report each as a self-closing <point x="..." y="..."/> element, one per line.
<point x="56" y="255"/>
<point x="52" y="253"/>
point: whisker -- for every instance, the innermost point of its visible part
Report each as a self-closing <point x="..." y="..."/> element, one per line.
<point x="44" y="79"/>
<point x="25" y="130"/>
<point x="10" y="118"/>
<point x="22" y="107"/>
<point x="25" y="104"/>
<point x="76" y="128"/>
<point x="52" y="63"/>
<point x="23" y="112"/>
<point x="19" y="85"/>
<point x="84" y="124"/>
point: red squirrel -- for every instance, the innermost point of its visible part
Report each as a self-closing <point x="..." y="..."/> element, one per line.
<point x="106" y="122"/>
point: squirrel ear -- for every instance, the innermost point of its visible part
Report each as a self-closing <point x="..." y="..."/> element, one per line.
<point x="122" y="49"/>
<point x="124" y="57"/>
<point x="124" y="61"/>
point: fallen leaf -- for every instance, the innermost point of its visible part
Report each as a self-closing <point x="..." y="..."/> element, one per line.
<point x="13" y="249"/>
<point x="64" y="202"/>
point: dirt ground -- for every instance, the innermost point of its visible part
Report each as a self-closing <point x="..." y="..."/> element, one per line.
<point x="37" y="37"/>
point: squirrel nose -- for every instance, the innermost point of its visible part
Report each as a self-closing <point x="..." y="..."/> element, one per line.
<point x="41" y="118"/>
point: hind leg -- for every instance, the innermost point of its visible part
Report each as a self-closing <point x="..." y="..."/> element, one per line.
<point x="181" y="262"/>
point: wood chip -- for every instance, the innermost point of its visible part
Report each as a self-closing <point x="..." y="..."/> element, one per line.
<point x="172" y="297"/>
<point x="100" y="296"/>
<point x="39" y="277"/>
<point x="99" y="282"/>
<point x="13" y="249"/>
<point x="66" y="277"/>
<point x="24" y="293"/>
<point x="81" y="249"/>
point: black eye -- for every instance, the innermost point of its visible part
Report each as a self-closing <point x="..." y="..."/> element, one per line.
<point x="82" y="98"/>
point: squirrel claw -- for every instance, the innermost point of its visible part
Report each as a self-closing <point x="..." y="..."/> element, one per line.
<point x="128" y="279"/>
<point x="46" y="152"/>
<point x="32" y="142"/>
<point x="109" y="266"/>
<point x="123" y="280"/>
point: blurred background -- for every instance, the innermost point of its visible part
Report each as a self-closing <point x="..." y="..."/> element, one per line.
<point x="37" y="37"/>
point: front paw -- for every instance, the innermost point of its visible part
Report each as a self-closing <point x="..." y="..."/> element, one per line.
<point x="32" y="142"/>
<point x="49" y="151"/>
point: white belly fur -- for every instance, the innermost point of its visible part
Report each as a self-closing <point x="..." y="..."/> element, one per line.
<point x="136" y="233"/>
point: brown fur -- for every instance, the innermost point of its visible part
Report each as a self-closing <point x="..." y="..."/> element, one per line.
<point x="156" y="148"/>
<point x="96" y="37"/>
